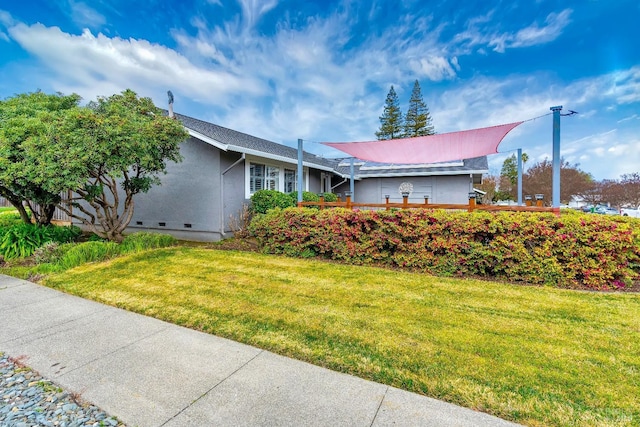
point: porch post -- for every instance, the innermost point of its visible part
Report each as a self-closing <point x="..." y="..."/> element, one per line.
<point x="519" y="176"/>
<point x="300" y="171"/>
<point x="351" y="183"/>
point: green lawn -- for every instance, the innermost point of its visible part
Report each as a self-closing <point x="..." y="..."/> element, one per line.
<point x="537" y="356"/>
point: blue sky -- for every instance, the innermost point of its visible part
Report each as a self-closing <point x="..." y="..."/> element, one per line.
<point x="320" y="70"/>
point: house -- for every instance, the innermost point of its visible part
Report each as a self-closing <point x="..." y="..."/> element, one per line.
<point x="449" y="182"/>
<point x="222" y="168"/>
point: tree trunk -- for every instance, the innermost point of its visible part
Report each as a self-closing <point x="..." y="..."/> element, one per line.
<point x="43" y="214"/>
<point x="16" y="202"/>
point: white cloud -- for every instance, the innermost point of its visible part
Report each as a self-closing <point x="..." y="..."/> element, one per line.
<point x="629" y="118"/>
<point x="435" y="68"/>
<point x="476" y="35"/>
<point x="252" y="10"/>
<point x="85" y="62"/>
<point x="6" y="19"/>
<point x="534" y="35"/>
<point x="85" y="16"/>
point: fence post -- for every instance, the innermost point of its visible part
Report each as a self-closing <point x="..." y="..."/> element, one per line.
<point x="472" y="201"/>
<point x="527" y="200"/>
<point x="426" y="199"/>
<point x="386" y="197"/>
<point x="348" y="199"/>
<point x="405" y="200"/>
<point x="539" y="198"/>
<point x="321" y="201"/>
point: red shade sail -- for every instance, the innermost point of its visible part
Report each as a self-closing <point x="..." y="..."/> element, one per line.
<point x="442" y="147"/>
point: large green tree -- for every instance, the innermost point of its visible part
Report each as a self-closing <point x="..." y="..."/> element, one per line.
<point x="26" y="119"/>
<point x="417" y="121"/>
<point x="107" y="152"/>
<point x="391" y="126"/>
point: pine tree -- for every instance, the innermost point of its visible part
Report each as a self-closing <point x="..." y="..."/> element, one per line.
<point x="391" y="120"/>
<point x="417" y="122"/>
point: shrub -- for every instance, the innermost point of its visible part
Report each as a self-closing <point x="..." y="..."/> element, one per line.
<point x="330" y="197"/>
<point x="587" y="251"/>
<point x="264" y="200"/>
<point x="48" y="253"/>
<point x="137" y="242"/>
<point x="20" y="241"/>
<point x="307" y="196"/>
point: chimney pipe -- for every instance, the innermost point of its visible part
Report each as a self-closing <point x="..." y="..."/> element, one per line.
<point x="170" y="104"/>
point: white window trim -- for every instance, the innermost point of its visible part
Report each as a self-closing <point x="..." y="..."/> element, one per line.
<point x="268" y="162"/>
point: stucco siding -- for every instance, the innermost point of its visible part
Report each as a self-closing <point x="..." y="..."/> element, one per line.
<point x="314" y="180"/>
<point x="452" y="189"/>
<point x="233" y="187"/>
<point x="188" y="201"/>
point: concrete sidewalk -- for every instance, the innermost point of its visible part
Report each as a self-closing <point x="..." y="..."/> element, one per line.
<point x="151" y="373"/>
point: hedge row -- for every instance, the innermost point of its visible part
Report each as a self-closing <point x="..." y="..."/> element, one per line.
<point x="577" y="251"/>
<point x="264" y="200"/>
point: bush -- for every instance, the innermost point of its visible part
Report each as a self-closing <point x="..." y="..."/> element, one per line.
<point x="264" y="200"/>
<point x="329" y="197"/>
<point x="20" y="241"/>
<point x="142" y="241"/>
<point x="307" y="196"/>
<point x="48" y="253"/>
<point x="586" y="251"/>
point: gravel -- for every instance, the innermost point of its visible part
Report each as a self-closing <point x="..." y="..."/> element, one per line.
<point x="27" y="399"/>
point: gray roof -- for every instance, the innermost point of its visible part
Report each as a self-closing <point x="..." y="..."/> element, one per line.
<point x="240" y="142"/>
<point x="366" y="169"/>
<point x="243" y="143"/>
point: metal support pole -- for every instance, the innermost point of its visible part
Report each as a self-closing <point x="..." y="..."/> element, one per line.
<point x="519" y="176"/>
<point x="352" y="182"/>
<point x="555" y="197"/>
<point x="300" y="171"/>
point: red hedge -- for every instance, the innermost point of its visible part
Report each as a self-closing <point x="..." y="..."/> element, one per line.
<point x="584" y="251"/>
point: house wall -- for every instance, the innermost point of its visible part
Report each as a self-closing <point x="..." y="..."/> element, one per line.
<point x="314" y="180"/>
<point x="233" y="185"/>
<point x="205" y="190"/>
<point x="440" y="189"/>
<point x="188" y="201"/>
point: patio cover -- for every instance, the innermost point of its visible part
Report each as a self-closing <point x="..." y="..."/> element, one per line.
<point x="442" y="147"/>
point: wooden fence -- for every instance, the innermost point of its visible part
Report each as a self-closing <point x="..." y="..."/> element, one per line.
<point x="59" y="217"/>
<point x="470" y="207"/>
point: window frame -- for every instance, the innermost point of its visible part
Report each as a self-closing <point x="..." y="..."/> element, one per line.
<point x="278" y="181"/>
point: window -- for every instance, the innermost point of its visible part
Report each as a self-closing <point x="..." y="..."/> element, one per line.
<point x="325" y="183"/>
<point x="256" y="177"/>
<point x="278" y="176"/>
<point x="271" y="178"/>
<point x="262" y="177"/>
<point x="290" y="181"/>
